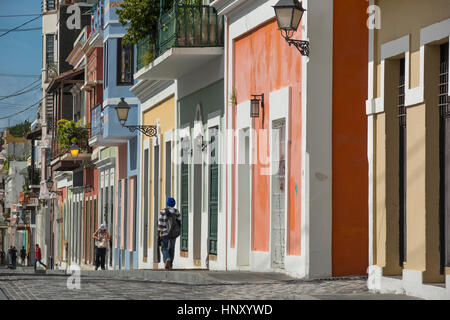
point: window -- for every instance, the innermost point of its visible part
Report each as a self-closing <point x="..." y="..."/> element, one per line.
<point x="50" y="5"/>
<point x="124" y="63"/>
<point x="50" y="49"/>
<point x="402" y="162"/>
<point x="105" y="66"/>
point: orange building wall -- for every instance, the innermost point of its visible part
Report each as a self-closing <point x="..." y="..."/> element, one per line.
<point x="263" y="63"/>
<point x="350" y="166"/>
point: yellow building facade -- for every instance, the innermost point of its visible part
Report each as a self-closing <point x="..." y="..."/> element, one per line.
<point x="157" y="168"/>
<point x="407" y="111"/>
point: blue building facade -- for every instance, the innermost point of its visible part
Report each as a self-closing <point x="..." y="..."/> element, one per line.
<point x="118" y="70"/>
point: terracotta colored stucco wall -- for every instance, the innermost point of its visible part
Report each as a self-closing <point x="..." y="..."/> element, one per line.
<point x="350" y="165"/>
<point x="265" y="63"/>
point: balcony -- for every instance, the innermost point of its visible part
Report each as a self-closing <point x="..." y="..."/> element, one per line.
<point x="51" y="71"/>
<point x="106" y="130"/>
<point x="189" y="36"/>
<point x="62" y="160"/>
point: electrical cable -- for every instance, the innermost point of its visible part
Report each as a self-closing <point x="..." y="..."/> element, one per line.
<point x="18" y="30"/>
<point x="22" y="91"/>
<point x="11" y="30"/>
<point x="19" y="75"/>
<point x="18" y="112"/>
<point x="20" y="15"/>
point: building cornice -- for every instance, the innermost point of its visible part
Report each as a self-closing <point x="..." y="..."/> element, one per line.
<point x="224" y="7"/>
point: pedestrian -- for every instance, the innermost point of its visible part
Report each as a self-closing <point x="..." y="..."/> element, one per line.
<point x="169" y="228"/>
<point x="23" y="255"/>
<point x="102" y="238"/>
<point x="38" y="257"/>
<point x="2" y="257"/>
<point x="10" y="257"/>
<point x="14" y="257"/>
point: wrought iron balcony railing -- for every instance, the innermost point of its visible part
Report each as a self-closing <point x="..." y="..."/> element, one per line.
<point x="51" y="72"/>
<point x="184" y="26"/>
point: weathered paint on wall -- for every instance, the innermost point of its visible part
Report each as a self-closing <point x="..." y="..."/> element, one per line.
<point x="264" y="63"/>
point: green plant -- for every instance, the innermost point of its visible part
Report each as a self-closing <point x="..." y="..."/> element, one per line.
<point x="70" y="132"/>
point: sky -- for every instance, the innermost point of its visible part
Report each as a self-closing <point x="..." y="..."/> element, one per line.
<point x="20" y="60"/>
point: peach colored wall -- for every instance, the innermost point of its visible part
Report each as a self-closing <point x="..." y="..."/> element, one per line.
<point x="264" y="63"/>
<point x="131" y="206"/>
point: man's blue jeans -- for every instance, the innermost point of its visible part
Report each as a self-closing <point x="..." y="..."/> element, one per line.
<point x="168" y="248"/>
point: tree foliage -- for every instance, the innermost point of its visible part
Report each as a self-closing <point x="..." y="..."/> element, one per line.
<point x="141" y="18"/>
<point x="21" y="129"/>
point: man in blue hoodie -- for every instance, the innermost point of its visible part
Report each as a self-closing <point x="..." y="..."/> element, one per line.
<point x="169" y="228"/>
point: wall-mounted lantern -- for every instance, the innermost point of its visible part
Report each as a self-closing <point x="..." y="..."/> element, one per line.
<point x="74" y="150"/>
<point x="289" y="13"/>
<point x="49" y="183"/>
<point x="255" y="103"/>
<point x="122" y="110"/>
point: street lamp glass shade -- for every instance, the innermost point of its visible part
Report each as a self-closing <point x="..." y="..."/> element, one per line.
<point x="49" y="183"/>
<point x="289" y="13"/>
<point x="122" y="111"/>
<point x="74" y="150"/>
<point x="254" y="108"/>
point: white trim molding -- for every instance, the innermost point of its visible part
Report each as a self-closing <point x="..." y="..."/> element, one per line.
<point x="413" y="96"/>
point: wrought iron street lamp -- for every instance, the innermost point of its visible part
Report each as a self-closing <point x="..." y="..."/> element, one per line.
<point x="289" y="13"/>
<point x="122" y="110"/>
<point x="49" y="183"/>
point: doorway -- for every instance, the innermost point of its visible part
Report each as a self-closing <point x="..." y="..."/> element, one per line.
<point x="444" y="142"/>
<point x="278" y="194"/>
<point x="155" y="203"/>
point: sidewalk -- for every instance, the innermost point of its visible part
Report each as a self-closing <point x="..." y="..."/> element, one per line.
<point x="193" y="277"/>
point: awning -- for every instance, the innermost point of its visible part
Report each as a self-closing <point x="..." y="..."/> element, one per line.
<point x="67" y="76"/>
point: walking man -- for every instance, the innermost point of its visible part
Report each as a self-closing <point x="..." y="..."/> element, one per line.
<point x="38" y="257"/>
<point x="14" y="257"/>
<point x="23" y="255"/>
<point x="102" y="238"/>
<point x="169" y="228"/>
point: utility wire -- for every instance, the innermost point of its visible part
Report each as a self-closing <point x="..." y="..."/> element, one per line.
<point x="28" y="29"/>
<point x="11" y="30"/>
<point x="19" y="75"/>
<point x="20" y="15"/>
<point x="18" y="112"/>
<point x="21" y="91"/>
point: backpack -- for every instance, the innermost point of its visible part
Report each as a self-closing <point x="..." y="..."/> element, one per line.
<point x="173" y="225"/>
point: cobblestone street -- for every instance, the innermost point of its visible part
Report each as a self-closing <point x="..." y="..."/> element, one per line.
<point x="19" y="286"/>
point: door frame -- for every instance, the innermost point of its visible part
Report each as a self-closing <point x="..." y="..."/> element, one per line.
<point x="280" y="103"/>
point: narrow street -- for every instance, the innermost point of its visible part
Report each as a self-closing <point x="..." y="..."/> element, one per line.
<point x="15" y="285"/>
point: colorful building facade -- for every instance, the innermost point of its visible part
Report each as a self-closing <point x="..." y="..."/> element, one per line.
<point x="291" y="183"/>
<point x="407" y="111"/>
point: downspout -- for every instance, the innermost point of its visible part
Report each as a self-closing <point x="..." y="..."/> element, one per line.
<point x="226" y="137"/>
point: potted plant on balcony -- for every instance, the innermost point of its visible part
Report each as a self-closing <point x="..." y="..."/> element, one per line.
<point x="70" y="132"/>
